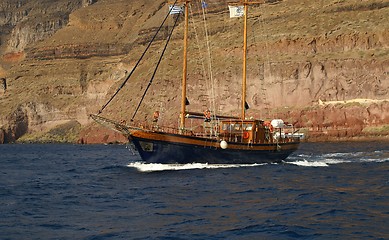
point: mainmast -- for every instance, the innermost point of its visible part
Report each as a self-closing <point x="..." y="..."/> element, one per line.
<point x="244" y="60"/>
<point x="185" y="59"/>
<point x="184" y="68"/>
<point x="244" y="75"/>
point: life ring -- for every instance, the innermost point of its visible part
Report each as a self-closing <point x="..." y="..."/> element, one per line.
<point x="246" y="135"/>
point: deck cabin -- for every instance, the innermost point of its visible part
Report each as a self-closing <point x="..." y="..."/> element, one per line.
<point x="252" y="131"/>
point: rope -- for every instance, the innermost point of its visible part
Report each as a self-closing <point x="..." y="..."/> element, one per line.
<point x="199" y="47"/>
<point x="156" y="68"/>
<point x="208" y="74"/>
<point x="212" y="100"/>
<point x="139" y="60"/>
<point x="118" y="127"/>
<point x="266" y="62"/>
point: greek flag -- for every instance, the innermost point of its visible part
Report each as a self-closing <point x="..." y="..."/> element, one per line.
<point x="204" y="4"/>
<point x="236" y="11"/>
<point x="176" y="9"/>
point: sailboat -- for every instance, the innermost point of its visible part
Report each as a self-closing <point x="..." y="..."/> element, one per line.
<point x="226" y="139"/>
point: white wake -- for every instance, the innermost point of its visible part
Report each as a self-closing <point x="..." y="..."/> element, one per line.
<point x="304" y="160"/>
<point x="327" y="159"/>
<point x="154" y="167"/>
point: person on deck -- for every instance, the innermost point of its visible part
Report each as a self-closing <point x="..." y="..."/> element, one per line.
<point x="156" y="116"/>
<point x="207" y="115"/>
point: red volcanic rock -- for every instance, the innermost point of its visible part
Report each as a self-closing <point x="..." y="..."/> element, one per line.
<point x="13" y="57"/>
<point x="341" y="121"/>
<point x="99" y="134"/>
<point x="64" y="59"/>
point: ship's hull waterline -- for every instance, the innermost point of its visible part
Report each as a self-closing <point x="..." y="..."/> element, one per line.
<point x="157" y="147"/>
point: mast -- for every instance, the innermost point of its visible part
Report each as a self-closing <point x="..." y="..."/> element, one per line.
<point x="244" y="61"/>
<point x="184" y="69"/>
<point x="244" y="75"/>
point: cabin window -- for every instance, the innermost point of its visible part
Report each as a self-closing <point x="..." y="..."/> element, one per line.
<point x="234" y="127"/>
<point x="228" y="127"/>
<point x="248" y="126"/>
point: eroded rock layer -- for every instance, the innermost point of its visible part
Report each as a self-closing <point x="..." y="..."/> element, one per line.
<point x="323" y="65"/>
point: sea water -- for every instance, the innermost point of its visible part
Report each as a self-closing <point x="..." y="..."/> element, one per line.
<point x="322" y="191"/>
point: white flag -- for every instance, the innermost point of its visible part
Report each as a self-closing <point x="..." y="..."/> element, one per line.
<point x="176" y="9"/>
<point x="236" y="11"/>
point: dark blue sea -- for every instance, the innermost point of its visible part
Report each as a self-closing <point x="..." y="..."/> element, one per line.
<point x="323" y="191"/>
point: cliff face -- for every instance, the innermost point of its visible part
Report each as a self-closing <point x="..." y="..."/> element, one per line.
<point x="62" y="60"/>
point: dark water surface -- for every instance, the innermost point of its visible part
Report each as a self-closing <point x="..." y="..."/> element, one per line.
<point x="329" y="191"/>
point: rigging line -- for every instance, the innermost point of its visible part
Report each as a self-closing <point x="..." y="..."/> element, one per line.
<point x="212" y="99"/>
<point x="200" y="49"/>
<point x="139" y="60"/>
<point x="208" y="74"/>
<point x="266" y="61"/>
<point x="261" y="67"/>
<point x="156" y="68"/>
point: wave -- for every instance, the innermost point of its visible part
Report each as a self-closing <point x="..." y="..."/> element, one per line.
<point x="305" y="163"/>
<point x="318" y="163"/>
<point x="301" y="159"/>
<point x="327" y="159"/>
<point x="154" y="167"/>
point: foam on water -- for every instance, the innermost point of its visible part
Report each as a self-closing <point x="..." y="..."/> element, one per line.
<point x="153" y="167"/>
<point x="306" y="163"/>
<point x="327" y="159"/>
<point x="304" y="160"/>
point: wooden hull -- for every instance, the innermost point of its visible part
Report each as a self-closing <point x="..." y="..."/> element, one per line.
<point x="158" y="147"/>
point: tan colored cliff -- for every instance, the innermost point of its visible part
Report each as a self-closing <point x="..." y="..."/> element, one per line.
<point x="63" y="65"/>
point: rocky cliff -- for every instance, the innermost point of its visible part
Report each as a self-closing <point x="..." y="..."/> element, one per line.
<point x="323" y="65"/>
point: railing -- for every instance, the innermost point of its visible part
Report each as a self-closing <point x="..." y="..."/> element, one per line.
<point x="270" y="137"/>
